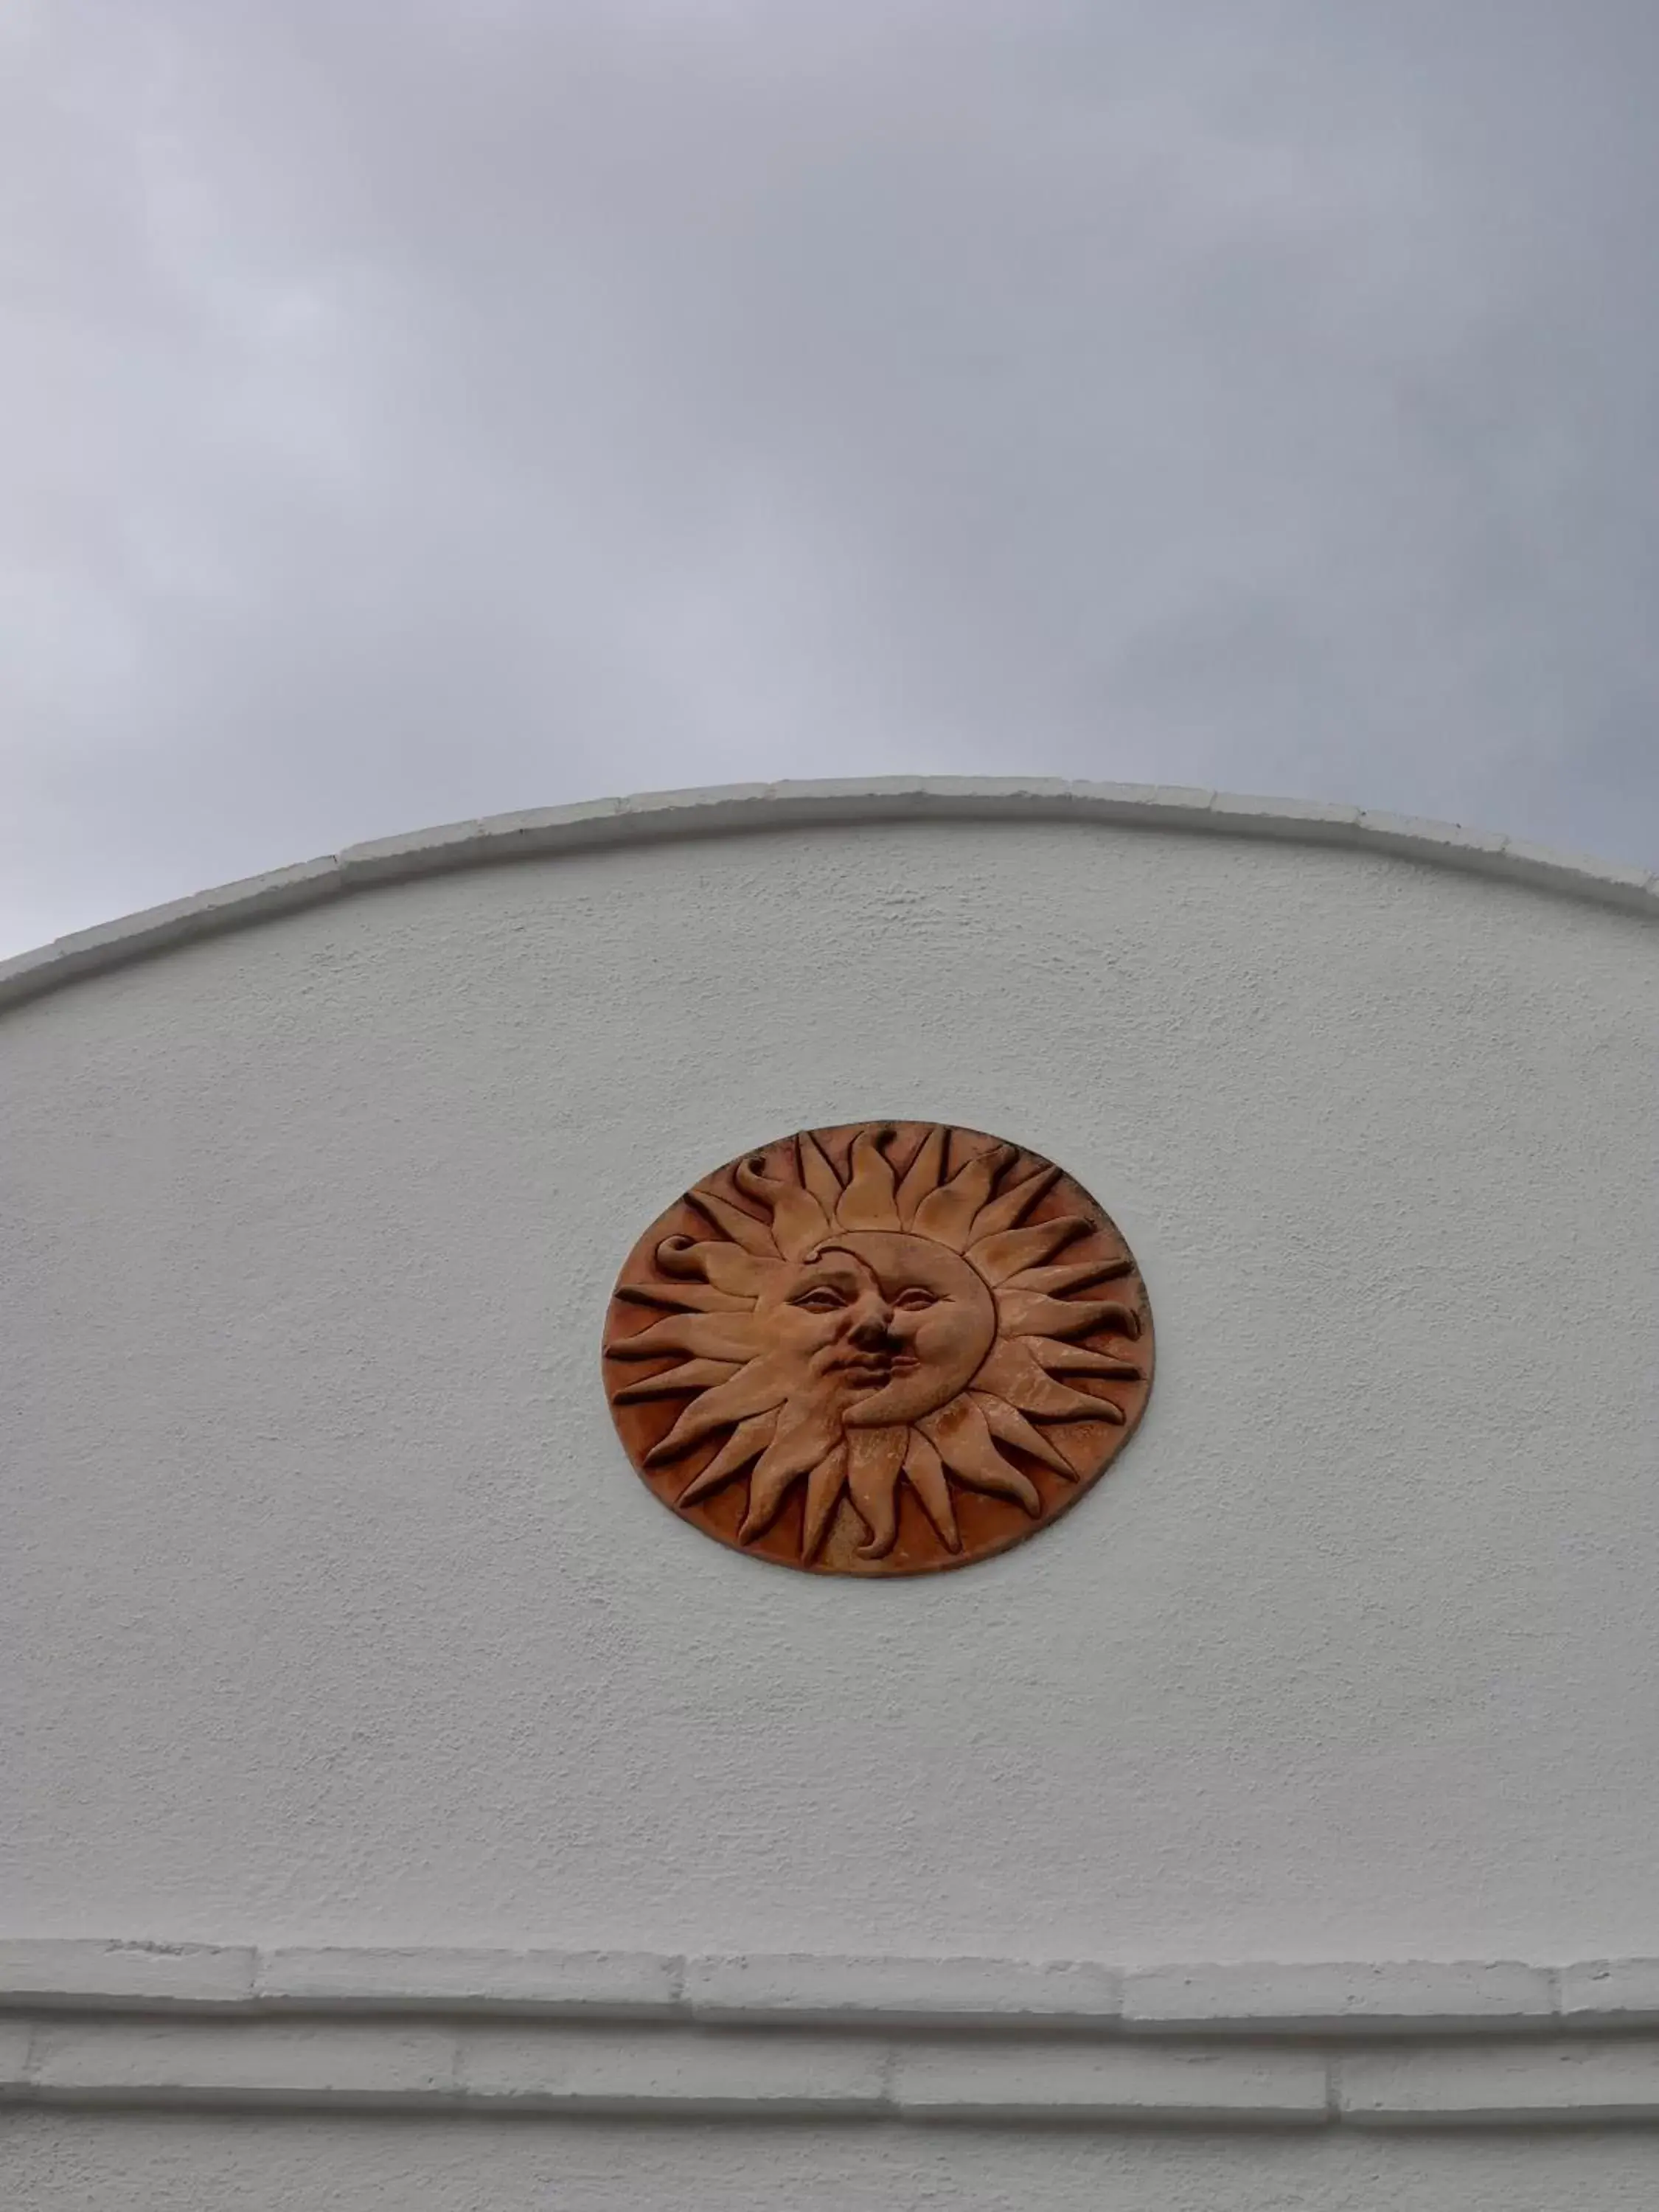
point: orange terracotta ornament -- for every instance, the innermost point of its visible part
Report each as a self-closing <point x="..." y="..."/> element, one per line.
<point x="881" y="1349"/>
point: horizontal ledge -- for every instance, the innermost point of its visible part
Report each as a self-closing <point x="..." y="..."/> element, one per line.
<point x="1576" y="2082"/>
<point x="682" y="2069"/>
<point x="1405" y="1999"/>
<point x="722" y="811"/>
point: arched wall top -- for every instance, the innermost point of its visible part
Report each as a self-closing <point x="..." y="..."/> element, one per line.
<point x="733" y="809"/>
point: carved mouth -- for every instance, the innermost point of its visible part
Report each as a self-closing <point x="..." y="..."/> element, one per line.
<point x="876" y="1367"/>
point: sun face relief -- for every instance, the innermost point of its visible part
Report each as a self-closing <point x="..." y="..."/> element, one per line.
<point x="898" y="1325"/>
<point x="856" y="1340"/>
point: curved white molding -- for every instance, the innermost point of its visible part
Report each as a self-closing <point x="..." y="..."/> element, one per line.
<point x="1410" y="2045"/>
<point x="733" y="809"/>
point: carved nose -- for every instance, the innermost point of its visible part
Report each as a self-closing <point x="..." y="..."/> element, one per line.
<point x="872" y="1334"/>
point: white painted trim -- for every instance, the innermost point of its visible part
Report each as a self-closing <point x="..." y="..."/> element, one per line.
<point x="1380" y="2043"/>
<point x="733" y="809"/>
<point x="1372" y="1997"/>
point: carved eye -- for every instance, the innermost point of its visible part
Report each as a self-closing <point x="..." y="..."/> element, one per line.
<point x="824" y="1299"/>
<point x="915" y="1299"/>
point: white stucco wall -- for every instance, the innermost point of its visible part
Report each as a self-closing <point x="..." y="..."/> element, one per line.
<point x="329" y="1609"/>
<point x="50" y="2162"/>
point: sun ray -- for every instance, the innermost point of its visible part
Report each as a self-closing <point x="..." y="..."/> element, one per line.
<point x="1028" y="1313"/>
<point x="924" y="1471"/>
<point x="922" y="1175"/>
<point x="1014" y="1203"/>
<point x="704" y="1336"/>
<point x="948" y="1214"/>
<point x="797" y="1447"/>
<point x="1012" y="1373"/>
<point x="959" y="1434"/>
<point x="824" y="1486"/>
<point x="1010" y="1426"/>
<point x="696" y="1374"/>
<point x="816" y="1172"/>
<point x="874" y="1457"/>
<point x="742" y="1228"/>
<point x="1055" y="1281"/>
<point x="999" y="1257"/>
<point x="683" y="1298"/>
<point x="1058" y="1358"/>
<point x="867" y="1202"/>
<point x="746" y="1442"/>
<point x="757" y="1388"/>
<point x="742" y="1274"/>
<point x="799" y="1222"/>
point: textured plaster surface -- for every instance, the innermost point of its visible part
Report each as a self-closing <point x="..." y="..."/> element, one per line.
<point x="331" y="1612"/>
<point x="66" y="2162"/>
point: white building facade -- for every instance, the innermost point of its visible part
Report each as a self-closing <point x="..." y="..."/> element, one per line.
<point x="402" y="1809"/>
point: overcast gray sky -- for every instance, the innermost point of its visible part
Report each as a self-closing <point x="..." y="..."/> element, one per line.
<point x="416" y="408"/>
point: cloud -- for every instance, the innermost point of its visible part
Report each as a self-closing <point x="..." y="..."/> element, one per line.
<point x="414" y="413"/>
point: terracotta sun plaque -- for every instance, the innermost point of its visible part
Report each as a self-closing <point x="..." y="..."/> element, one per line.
<point x="881" y="1349"/>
